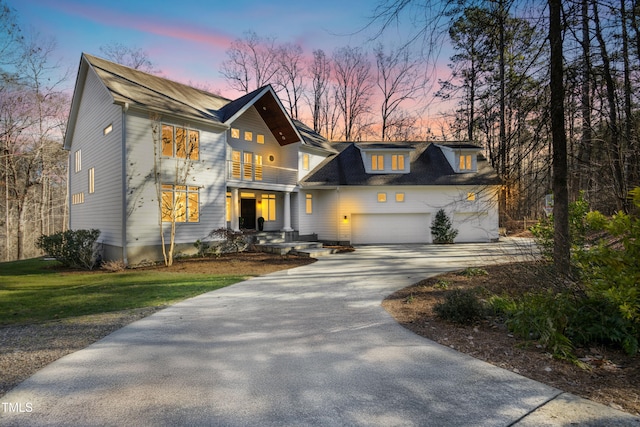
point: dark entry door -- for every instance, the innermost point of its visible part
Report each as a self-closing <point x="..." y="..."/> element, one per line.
<point x="248" y="214"/>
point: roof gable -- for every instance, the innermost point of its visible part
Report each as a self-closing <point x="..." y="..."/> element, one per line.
<point x="271" y="111"/>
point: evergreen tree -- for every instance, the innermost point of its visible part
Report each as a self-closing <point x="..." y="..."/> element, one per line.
<point x="442" y="228"/>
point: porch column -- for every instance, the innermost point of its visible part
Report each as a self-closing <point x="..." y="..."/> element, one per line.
<point x="235" y="212"/>
<point x="287" y="212"/>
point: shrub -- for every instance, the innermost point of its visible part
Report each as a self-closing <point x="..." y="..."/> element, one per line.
<point x="473" y="272"/>
<point x="460" y="306"/>
<point x="73" y="248"/>
<point x="442" y="228"/>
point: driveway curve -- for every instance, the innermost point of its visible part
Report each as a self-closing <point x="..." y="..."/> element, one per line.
<point x="305" y="347"/>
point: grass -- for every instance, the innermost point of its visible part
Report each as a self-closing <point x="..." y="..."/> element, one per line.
<point x="34" y="290"/>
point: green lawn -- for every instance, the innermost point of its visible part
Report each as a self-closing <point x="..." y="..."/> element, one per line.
<point x="35" y="291"/>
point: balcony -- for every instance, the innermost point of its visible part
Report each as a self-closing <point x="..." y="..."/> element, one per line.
<point x="251" y="172"/>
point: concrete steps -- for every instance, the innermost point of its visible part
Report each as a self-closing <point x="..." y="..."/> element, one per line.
<point x="309" y="249"/>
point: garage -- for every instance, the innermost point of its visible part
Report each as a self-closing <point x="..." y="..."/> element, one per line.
<point x="390" y="228"/>
<point x="470" y="227"/>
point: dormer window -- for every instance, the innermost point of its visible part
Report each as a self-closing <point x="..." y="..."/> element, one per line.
<point x="377" y="162"/>
<point x="397" y="162"/>
<point x="466" y="163"/>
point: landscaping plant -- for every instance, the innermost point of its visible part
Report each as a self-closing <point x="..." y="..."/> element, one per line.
<point x="72" y="248"/>
<point x="442" y="228"/>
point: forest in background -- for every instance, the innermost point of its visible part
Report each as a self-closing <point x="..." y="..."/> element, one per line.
<point x="499" y="92"/>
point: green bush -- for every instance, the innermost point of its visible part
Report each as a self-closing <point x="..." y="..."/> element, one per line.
<point x="460" y="306"/>
<point x="442" y="228"/>
<point x="73" y="248"/>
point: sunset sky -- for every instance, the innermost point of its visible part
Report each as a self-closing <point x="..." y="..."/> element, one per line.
<point x="187" y="40"/>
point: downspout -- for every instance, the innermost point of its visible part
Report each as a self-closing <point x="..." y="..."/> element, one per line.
<point x="123" y="175"/>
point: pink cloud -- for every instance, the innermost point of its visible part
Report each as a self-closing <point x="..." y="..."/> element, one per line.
<point x="145" y="24"/>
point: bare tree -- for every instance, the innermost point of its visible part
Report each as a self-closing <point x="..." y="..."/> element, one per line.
<point x="251" y="62"/>
<point x="133" y="57"/>
<point x="320" y="73"/>
<point x="289" y="76"/>
<point x="399" y="81"/>
<point x="353" y="89"/>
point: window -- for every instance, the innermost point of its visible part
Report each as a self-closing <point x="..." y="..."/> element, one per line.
<point x="258" y="165"/>
<point x="235" y="164"/>
<point x="309" y="203"/>
<point x="305" y="162"/>
<point x="382" y="197"/>
<point x="248" y="166"/>
<point x="377" y="162"/>
<point x="92" y="177"/>
<point x="78" y="163"/>
<point x="228" y="207"/>
<point x="181" y="143"/>
<point x="397" y="162"/>
<point x="399" y="197"/>
<point x="248" y="136"/>
<point x="471" y="197"/>
<point x="235" y="133"/>
<point x="465" y="162"/>
<point x="260" y="138"/>
<point x="269" y="207"/>
<point x="107" y="130"/>
<point x="77" y="198"/>
<point x="180" y="202"/>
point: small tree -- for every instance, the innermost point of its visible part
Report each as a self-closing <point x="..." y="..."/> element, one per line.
<point x="442" y="228"/>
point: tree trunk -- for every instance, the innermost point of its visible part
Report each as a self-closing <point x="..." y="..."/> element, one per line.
<point x="561" y="247"/>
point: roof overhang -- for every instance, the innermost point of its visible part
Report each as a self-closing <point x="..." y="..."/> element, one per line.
<point x="273" y="113"/>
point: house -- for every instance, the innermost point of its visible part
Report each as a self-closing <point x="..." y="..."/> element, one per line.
<point x="142" y="147"/>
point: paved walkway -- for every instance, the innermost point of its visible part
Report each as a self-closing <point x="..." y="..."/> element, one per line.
<point x="305" y="347"/>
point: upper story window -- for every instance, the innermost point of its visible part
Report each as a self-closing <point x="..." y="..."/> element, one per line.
<point x="397" y="162"/>
<point x="260" y="138"/>
<point x="235" y="133"/>
<point x="180" y="142"/>
<point x="78" y="162"/>
<point x="107" y="130"/>
<point x="305" y="162"/>
<point x="248" y="136"/>
<point x="466" y="162"/>
<point x="377" y="162"/>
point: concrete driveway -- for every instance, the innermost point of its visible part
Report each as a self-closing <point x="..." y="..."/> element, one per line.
<point x="308" y="346"/>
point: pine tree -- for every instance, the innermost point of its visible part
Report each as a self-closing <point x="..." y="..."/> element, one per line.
<point x="442" y="228"/>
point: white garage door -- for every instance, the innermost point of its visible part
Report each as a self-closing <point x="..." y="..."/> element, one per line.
<point x="470" y="227"/>
<point x="390" y="228"/>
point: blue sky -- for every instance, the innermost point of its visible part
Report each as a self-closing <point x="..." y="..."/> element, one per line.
<point x="187" y="40"/>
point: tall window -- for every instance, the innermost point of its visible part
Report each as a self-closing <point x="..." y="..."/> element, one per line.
<point x="377" y="162"/>
<point x="78" y="162"/>
<point x="258" y="166"/>
<point x="465" y="162"/>
<point x="309" y="203"/>
<point x="180" y="142"/>
<point x="92" y="178"/>
<point x="397" y="162"/>
<point x="236" y="166"/>
<point x="248" y="166"/>
<point x="269" y="207"/>
<point x="305" y="162"/>
<point x="180" y="202"/>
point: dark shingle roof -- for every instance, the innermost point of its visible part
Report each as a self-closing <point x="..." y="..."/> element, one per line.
<point x="427" y="162"/>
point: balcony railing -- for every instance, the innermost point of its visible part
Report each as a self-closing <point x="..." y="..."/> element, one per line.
<point x="251" y="172"/>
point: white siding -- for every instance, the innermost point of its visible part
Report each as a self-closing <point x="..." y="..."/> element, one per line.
<point x="207" y="173"/>
<point x="314" y="161"/>
<point x="102" y="209"/>
<point x="324" y="219"/>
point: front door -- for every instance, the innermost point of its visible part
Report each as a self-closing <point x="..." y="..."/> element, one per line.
<point x="248" y="214"/>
